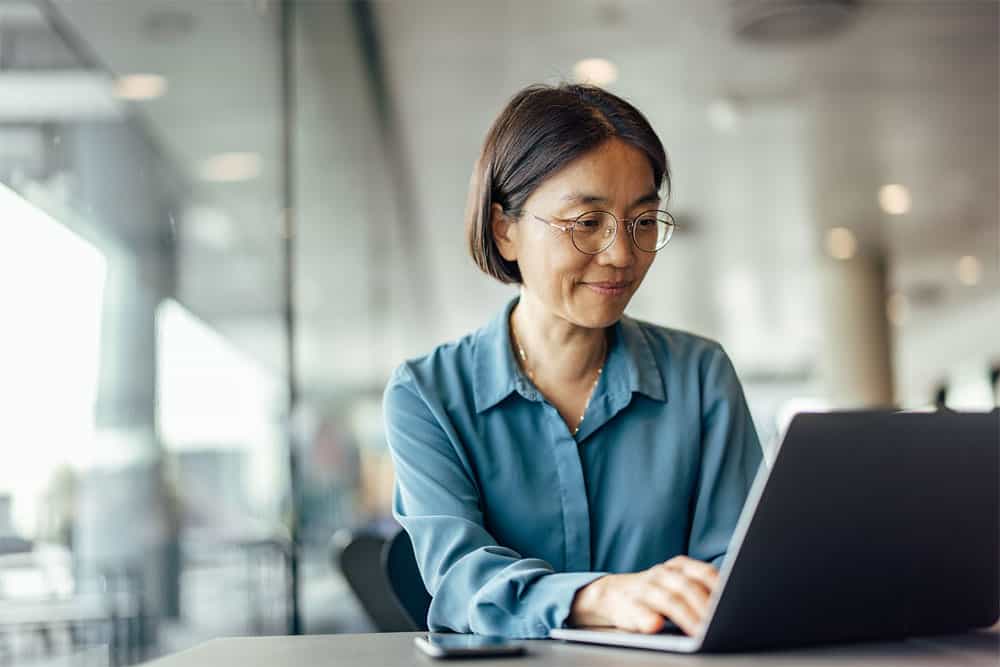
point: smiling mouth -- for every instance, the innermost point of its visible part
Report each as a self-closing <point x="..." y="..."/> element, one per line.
<point x="609" y="288"/>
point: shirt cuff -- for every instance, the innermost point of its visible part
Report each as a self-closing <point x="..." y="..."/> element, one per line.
<point x="561" y="589"/>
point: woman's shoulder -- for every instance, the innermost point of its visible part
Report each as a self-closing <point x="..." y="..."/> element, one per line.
<point x="675" y="344"/>
<point x="448" y="363"/>
<point x="689" y="354"/>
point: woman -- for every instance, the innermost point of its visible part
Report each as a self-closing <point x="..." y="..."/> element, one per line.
<point x="566" y="464"/>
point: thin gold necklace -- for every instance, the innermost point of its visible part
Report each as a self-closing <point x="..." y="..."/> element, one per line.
<point x="531" y="374"/>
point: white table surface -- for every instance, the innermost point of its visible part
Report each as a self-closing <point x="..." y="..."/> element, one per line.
<point x="392" y="649"/>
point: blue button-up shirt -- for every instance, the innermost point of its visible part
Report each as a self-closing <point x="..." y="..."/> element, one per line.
<point x="510" y="513"/>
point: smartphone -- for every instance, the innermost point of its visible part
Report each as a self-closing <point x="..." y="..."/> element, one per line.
<point x="438" y="645"/>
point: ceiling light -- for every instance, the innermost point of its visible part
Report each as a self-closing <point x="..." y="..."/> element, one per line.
<point x="597" y="71"/>
<point x="897" y="309"/>
<point x="894" y="199"/>
<point x="209" y="227"/>
<point x="138" y="87"/>
<point x="56" y="96"/>
<point x="230" y="167"/>
<point x="969" y="270"/>
<point x="724" y="114"/>
<point x="781" y="21"/>
<point x="841" y="243"/>
<point x="168" y="25"/>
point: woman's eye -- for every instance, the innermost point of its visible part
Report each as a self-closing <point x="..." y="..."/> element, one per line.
<point x="588" y="224"/>
<point x="646" y="223"/>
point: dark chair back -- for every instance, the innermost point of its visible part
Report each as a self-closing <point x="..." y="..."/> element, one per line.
<point x="359" y="557"/>
<point x="400" y="567"/>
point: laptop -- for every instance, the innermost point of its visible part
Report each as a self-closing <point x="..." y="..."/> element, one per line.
<point x="869" y="525"/>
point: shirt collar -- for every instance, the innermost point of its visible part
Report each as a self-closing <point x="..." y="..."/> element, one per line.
<point x="496" y="371"/>
<point x="630" y="367"/>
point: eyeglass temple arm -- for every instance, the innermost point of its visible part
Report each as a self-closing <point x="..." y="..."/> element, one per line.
<point x="564" y="228"/>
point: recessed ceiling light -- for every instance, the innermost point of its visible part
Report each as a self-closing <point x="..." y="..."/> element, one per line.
<point x="894" y="199"/>
<point x="724" y="114"/>
<point x="897" y="309"/>
<point x="58" y="96"/>
<point x="779" y="21"/>
<point x="230" y="167"/>
<point x="168" y="25"/>
<point x="138" y="87"/>
<point x="209" y="227"/>
<point x="597" y="71"/>
<point x="841" y="243"/>
<point x="969" y="270"/>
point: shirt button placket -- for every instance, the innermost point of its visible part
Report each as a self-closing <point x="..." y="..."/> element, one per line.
<point x="572" y="494"/>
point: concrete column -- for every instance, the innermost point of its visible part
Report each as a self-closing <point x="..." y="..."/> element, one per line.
<point x="855" y="357"/>
<point x="125" y="520"/>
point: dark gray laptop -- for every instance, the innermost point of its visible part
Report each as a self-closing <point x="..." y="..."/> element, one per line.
<point x="869" y="525"/>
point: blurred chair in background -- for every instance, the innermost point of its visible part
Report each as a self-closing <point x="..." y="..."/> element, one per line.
<point x="400" y="567"/>
<point x="359" y="558"/>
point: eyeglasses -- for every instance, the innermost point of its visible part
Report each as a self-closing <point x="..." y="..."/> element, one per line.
<point x="593" y="232"/>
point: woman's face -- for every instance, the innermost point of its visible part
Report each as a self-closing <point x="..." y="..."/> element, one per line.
<point x="587" y="290"/>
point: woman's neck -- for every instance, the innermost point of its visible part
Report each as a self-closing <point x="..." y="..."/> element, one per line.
<point x="555" y="350"/>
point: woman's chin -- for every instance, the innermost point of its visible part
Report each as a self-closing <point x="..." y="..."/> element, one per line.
<point x="600" y="310"/>
<point x="599" y="317"/>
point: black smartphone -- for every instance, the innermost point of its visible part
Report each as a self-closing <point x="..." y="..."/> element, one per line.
<point x="438" y="645"/>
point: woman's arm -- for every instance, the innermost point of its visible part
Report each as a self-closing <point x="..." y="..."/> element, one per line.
<point x="476" y="584"/>
<point x="730" y="457"/>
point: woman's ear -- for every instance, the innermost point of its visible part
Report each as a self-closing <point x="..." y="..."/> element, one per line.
<point x="504" y="230"/>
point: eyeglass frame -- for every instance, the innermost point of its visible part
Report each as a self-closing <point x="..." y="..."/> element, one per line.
<point x="628" y="222"/>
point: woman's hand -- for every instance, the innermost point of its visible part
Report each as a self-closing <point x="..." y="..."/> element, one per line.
<point x="678" y="589"/>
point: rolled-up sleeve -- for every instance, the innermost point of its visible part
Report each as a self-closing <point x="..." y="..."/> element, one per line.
<point x="476" y="584"/>
<point x="730" y="457"/>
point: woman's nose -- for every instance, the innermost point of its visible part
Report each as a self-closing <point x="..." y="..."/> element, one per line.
<point x="621" y="252"/>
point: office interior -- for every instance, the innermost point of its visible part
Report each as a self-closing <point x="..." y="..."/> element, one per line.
<point x="226" y="222"/>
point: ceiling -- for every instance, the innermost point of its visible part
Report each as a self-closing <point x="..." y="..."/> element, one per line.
<point x="907" y="93"/>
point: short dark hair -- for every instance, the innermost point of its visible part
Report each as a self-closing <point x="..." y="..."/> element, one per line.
<point x="542" y="129"/>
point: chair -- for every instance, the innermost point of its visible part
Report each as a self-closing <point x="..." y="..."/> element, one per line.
<point x="400" y="566"/>
<point x="359" y="558"/>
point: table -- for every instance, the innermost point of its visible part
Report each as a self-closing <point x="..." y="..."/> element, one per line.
<point x="48" y="627"/>
<point x="396" y="649"/>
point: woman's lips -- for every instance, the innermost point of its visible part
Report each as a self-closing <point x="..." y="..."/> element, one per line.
<point x="609" y="288"/>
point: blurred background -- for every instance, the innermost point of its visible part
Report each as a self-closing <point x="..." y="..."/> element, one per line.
<point x="225" y="222"/>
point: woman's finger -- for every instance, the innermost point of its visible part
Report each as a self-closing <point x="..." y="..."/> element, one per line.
<point x="695" y="569"/>
<point x="644" y="619"/>
<point x="673" y="605"/>
<point x="694" y="592"/>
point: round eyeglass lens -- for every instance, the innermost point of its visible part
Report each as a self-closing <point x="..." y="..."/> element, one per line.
<point x="652" y="230"/>
<point x="594" y="232"/>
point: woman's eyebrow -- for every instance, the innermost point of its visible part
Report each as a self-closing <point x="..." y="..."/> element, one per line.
<point x="649" y="198"/>
<point x="583" y="198"/>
